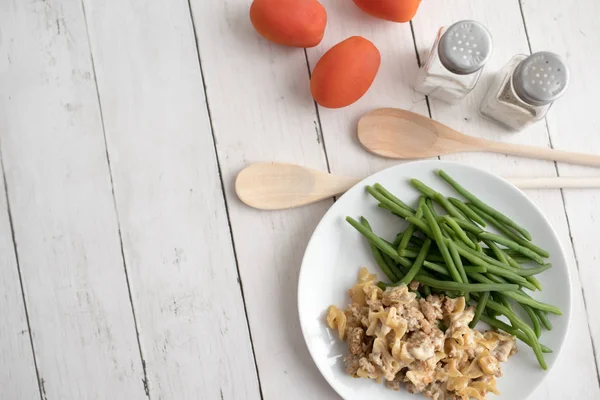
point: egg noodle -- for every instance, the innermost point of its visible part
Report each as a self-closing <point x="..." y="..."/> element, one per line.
<point x="394" y="337"/>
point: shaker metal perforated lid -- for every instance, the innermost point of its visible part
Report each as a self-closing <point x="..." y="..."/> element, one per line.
<point x="541" y="78"/>
<point x="465" y="47"/>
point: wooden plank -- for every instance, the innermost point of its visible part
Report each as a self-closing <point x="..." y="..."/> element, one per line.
<point x="177" y="245"/>
<point x="62" y="208"/>
<point x="504" y="21"/>
<point x="17" y="366"/>
<point x="261" y="109"/>
<point x="391" y="87"/>
<point x="573" y="125"/>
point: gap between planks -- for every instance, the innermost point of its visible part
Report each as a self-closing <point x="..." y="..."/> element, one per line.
<point x="145" y="382"/>
<point x="42" y="391"/>
<point x="227" y="213"/>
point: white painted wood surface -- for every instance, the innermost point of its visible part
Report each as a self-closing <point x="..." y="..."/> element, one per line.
<point x="17" y="366"/>
<point x="65" y="226"/>
<point x="176" y="240"/>
<point x="180" y="96"/>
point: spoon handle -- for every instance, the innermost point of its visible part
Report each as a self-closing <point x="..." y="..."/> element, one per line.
<point x="555" y="183"/>
<point x="542" y="153"/>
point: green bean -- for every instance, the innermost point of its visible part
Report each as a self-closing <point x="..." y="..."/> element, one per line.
<point x="537" y="328"/>
<point x="403" y="212"/>
<point x="422" y="225"/>
<point x="496" y="324"/>
<point x="499" y="279"/>
<point x="408" y="253"/>
<point x="378" y="256"/>
<point x="500" y="298"/>
<point x="465" y="287"/>
<point x="518" y="323"/>
<point x="417" y="263"/>
<point x="472" y="257"/>
<point x="506" y="274"/>
<point x="396" y="241"/>
<point x="544" y="319"/>
<point x="534" y="271"/>
<point x="441" y="243"/>
<point x="459" y="266"/>
<point x="510" y="261"/>
<point x="393" y="198"/>
<point x="380" y="243"/>
<point x="481" y="303"/>
<point x="447" y="231"/>
<point x="472" y="237"/>
<point x="453" y="224"/>
<point x="468" y="227"/>
<point x="416" y="241"/>
<point x="442" y="269"/>
<point x="380" y="205"/>
<point x="457" y="261"/>
<point x="423" y="188"/>
<point x="485" y="257"/>
<point x="467" y="211"/>
<point x="506" y="231"/>
<point x="497" y="251"/>
<point x="438" y="197"/>
<point x="531" y="279"/>
<point x="473" y="199"/>
<point x="426" y="291"/>
<point x="395" y="268"/>
<point x="534" y="282"/>
<point x="520" y="296"/>
<point x="443" y="201"/>
<point x="524" y="298"/>
<point x="411" y="228"/>
<point x="473" y="269"/>
<point x="429" y="203"/>
<point x="512" y="245"/>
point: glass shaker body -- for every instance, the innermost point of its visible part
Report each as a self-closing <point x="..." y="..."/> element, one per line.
<point x="455" y="62"/>
<point x="525" y="89"/>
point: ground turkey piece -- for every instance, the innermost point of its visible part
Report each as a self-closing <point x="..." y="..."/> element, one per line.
<point x="431" y="308"/>
<point x="413" y="316"/>
<point x="367" y="366"/>
<point x="435" y="391"/>
<point x="449" y="305"/>
<point x="352" y="362"/>
<point x="355" y="340"/>
<point x="353" y="315"/>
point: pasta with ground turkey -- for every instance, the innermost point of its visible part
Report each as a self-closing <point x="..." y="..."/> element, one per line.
<point x="396" y="338"/>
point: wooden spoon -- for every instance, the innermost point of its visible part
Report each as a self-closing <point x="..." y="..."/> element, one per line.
<point x="401" y="134"/>
<point x="277" y="186"/>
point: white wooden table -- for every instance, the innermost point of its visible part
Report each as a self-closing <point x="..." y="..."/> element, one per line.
<point x="128" y="267"/>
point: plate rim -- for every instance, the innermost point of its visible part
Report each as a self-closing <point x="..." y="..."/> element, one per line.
<point x="312" y="240"/>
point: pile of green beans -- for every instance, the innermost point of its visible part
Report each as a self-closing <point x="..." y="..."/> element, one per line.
<point x="454" y="254"/>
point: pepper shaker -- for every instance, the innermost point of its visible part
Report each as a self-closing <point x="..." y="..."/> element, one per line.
<point x="525" y="88"/>
<point x="455" y="61"/>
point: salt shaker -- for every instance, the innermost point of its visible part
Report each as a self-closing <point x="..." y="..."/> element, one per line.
<point x="455" y="61"/>
<point x="525" y="88"/>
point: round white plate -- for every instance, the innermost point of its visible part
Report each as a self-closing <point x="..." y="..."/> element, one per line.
<point x="336" y="252"/>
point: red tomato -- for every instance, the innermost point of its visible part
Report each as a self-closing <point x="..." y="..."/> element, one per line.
<point x="391" y="10"/>
<point x="345" y="73"/>
<point x="296" y="23"/>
